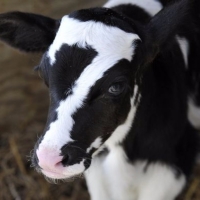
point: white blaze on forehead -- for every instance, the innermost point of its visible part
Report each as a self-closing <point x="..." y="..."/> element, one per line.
<point x="106" y="40"/>
<point x="111" y="43"/>
<point x="150" y="6"/>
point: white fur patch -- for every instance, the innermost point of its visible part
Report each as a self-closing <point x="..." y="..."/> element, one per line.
<point x="120" y="180"/>
<point x="106" y="40"/>
<point x="194" y="114"/>
<point x="159" y="182"/>
<point x="96" y="181"/>
<point x="184" y="46"/>
<point x="150" y="6"/>
<point x="96" y="144"/>
<point x="111" y="43"/>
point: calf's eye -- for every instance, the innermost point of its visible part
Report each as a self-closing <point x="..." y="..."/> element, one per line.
<point x="116" y="88"/>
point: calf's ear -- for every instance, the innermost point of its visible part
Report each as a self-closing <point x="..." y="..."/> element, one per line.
<point x="26" y="31"/>
<point x="158" y="34"/>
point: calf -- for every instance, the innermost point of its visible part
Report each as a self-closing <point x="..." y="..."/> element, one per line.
<point x="120" y="78"/>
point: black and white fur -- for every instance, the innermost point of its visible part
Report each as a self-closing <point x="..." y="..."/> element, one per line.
<point x="120" y="78"/>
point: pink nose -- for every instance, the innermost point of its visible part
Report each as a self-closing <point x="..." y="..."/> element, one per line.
<point x="49" y="159"/>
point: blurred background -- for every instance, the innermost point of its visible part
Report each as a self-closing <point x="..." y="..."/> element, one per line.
<point x="23" y="110"/>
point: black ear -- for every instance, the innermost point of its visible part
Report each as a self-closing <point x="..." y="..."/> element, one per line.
<point x="163" y="27"/>
<point x="26" y="31"/>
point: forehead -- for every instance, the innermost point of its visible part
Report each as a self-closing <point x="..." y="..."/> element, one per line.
<point x="108" y="41"/>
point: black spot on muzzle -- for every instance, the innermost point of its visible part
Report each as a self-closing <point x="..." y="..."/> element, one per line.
<point x="74" y="154"/>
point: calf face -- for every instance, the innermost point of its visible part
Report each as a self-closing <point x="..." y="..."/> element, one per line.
<point x="91" y="65"/>
<point x="90" y="79"/>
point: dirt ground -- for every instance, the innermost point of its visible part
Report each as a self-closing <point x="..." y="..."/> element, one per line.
<point x="23" y="110"/>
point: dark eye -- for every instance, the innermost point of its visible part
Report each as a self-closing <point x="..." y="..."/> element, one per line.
<point x="116" y="88"/>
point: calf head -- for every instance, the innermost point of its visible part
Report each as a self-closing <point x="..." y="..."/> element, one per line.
<point x="90" y="64"/>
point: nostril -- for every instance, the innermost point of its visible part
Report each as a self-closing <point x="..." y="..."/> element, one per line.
<point x="65" y="160"/>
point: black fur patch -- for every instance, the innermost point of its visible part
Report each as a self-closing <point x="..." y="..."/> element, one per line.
<point x="28" y="32"/>
<point x="106" y="16"/>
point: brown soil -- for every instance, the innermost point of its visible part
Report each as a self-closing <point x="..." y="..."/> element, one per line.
<point x="23" y="110"/>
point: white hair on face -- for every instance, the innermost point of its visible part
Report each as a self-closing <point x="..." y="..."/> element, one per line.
<point x="184" y="46"/>
<point x="106" y="40"/>
<point x="96" y="144"/>
<point x="150" y="6"/>
<point x="111" y="43"/>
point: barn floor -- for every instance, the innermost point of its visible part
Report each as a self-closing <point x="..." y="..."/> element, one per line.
<point x="23" y="110"/>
